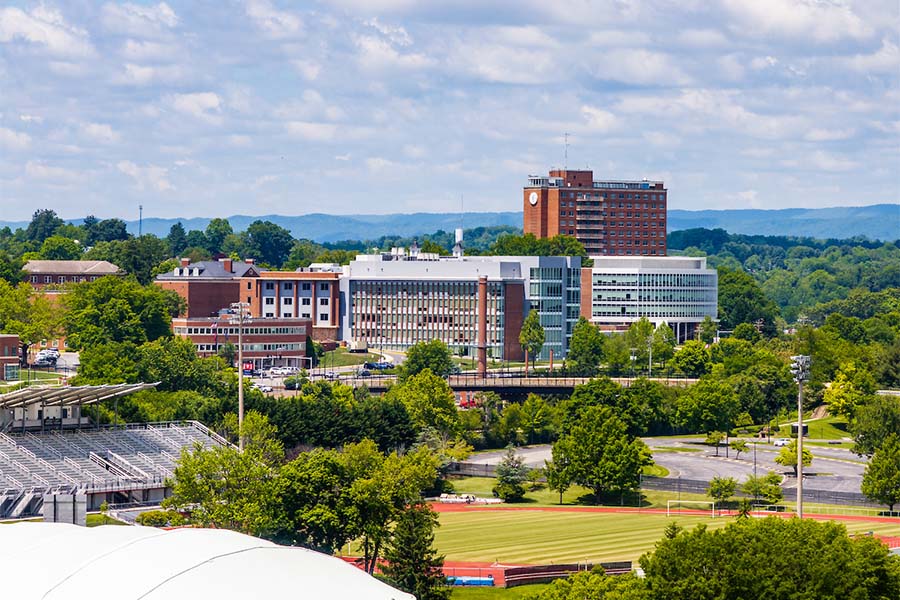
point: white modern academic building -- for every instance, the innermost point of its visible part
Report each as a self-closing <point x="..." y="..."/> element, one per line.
<point x="394" y="300"/>
<point x="677" y="290"/>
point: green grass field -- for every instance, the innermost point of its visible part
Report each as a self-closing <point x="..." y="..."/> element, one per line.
<point x="829" y="428"/>
<point x="482" y="486"/>
<point x="480" y="593"/>
<point x="543" y="536"/>
<point x="342" y="358"/>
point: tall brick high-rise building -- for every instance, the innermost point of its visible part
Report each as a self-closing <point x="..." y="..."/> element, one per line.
<point x="621" y="218"/>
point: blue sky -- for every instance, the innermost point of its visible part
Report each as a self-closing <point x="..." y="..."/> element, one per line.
<point x="213" y="108"/>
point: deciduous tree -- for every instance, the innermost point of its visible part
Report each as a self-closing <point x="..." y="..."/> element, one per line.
<point x="881" y="481"/>
<point x="531" y="337"/>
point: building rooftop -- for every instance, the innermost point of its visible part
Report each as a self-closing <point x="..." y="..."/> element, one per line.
<point x="649" y="262"/>
<point x="211" y="269"/>
<point x="538" y="181"/>
<point x="70" y="267"/>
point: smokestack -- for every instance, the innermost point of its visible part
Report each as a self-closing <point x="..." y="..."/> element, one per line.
<point x="482" y="326"/>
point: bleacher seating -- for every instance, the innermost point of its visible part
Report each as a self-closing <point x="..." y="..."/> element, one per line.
<point x="123" y="458"/>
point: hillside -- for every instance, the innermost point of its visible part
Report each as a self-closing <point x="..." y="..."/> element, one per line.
<point x="878" y="221"/>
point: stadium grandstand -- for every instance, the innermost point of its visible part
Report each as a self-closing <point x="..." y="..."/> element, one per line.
<point x="67" y="454"/>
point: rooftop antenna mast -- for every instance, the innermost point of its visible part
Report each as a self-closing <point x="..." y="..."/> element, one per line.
<point x="140" y="220"/>
<point x="566" y="156"/>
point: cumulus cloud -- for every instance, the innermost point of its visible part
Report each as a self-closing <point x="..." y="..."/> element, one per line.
<point x="139" y="51"/>
<point x="271" y="21"/>
<point x="645" y="67"/>
<point x="205" y="106"/>
<point x="41" y="171"/>
<point x="599" y="120"/>
<point x="46" y="28"/>
<point x="149" y="177"/>
<point x="14" y="140"/>
<point x="377" y="53"/>
<point x="100" y="132"/>
<point x="821" y="21"/>
<point x="884" y="60"/>
<point x="313" y="132"/>
<point x="143" y="75"/>
<point x="139" y="20"/>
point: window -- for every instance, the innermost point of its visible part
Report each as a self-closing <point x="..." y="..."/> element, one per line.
<point x="305" y="315"/>
<point x="323" y="287"/>
<point x="34" y="279"/>
<point x="248" y="285"/>
<point x="305" y="301"/>
<point x="288" y="285"/>
<point x="270" y="301"/>
<point x="288" y="301"/>
<point x="305" y="287"/>
<point x="323" y="316"/>
<point x="323" y="301"/>
<point x="287" y="315"/>
<point x="269" y="315"/>
<point x="270" y="285"/>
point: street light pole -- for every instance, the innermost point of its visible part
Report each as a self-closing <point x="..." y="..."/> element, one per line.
<point x="240" y="306"/>
<point x="800" y="369"/>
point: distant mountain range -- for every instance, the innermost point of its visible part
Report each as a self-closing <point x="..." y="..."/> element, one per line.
<point x="878" y="221"/>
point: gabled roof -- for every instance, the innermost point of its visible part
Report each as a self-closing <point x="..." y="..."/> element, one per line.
<point x="212" y="269"/>
<point x="70" y="267"/>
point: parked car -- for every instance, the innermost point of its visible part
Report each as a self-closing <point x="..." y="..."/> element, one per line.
<point x="48" y="352"/>
<point x="364" y="373"/>
<point x="265" y="389"/>
<point x="277" y="372"/>
<point x="332" y="376"/>
<point x="44" y="362"/>
<point x="782" y="442"/>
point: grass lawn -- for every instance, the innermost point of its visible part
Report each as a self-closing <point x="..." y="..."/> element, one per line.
<point x="485" y="593"/>
<point x="343" y="358"/>
<point x="829" y="428"/>
<point x="96" y="519"/>
<point x="574" y="496"/>
<point x="541" y="537"/>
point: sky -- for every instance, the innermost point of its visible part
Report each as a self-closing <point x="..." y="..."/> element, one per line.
<point x="209" y="108"/>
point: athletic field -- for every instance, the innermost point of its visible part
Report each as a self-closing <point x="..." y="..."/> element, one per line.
<point x="548" y="535"/>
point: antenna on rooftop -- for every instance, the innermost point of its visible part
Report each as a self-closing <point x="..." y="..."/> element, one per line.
<point x="566" y="156"/>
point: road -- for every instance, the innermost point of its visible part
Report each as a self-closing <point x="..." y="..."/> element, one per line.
<point x="832" y="469"/>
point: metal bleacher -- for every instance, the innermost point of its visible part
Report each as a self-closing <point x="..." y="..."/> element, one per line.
<point x="123" y="458"/>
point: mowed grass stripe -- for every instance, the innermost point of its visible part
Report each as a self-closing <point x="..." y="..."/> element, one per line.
<point x="556" y="537"/>
<point x="546" y="536"/>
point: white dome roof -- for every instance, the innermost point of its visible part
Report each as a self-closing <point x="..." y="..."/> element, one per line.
<point x="59" y="561"/>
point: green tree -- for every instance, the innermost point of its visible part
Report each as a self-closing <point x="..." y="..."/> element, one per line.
<point x="708" y="330"/>
<point x="640" y="339"/>
<point x="708" y="405"/>
<point x="739" y="446"/>
<point x="413" y="565"/>
<point x="531" y="337"/>
<point x="585" y="349"/>
<point x="537" y="419"/>
<point x="767" y="487"/>
<point x="602" y="455"/>
<point x="559" y="476"/>
<point x="881" y="480"/>
<point x="216" y="232"/>
<point x="433" y="355"/>
<point x="741" y="300"/>
<point x="788" y="456"/>
<point x="692" y="359"/>
<point x="595" y="585"/>
<point x="57" y="247"/>
<point x="224" y="488"/>
<point x="511" y="477"/>
<point x="429" y="402"/>
<point x="28" y="314"/>
<point x="778" y="558"/>
<point x="663" y="344"/>
<point x="874" y="422"/>
<point x="617" y="354"/>
<point x="112" y="309"/>
<point x="721" y="488"/>
<point x="269" y="242"/>
<point x="844" y="396"/>
<point x="177" y="239"/>
<point x="44" y="223"/>
<point x="228" y="353"/>
<point x="11" y="268"/>
<point x="714" y="438"/>
<point x="747" y="332"/>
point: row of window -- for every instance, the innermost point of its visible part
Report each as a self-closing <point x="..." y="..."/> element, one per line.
<point x="290" y="301"/>
<point x="289" y="285"/>
<point x="253" y="347"/>
<point x="233" y="331"/>
<point x="290" y="315"/>
<point x="62" y="278"/>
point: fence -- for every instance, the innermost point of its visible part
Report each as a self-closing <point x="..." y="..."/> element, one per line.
<point x="515" y="576"/>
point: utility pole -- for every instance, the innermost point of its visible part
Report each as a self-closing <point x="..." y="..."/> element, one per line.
<point x="239" y="321"/>
<point x="140" y="220"/>
<point x="800" y="369"/>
